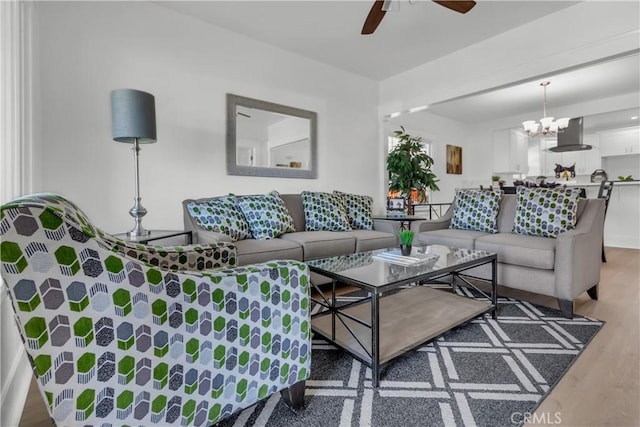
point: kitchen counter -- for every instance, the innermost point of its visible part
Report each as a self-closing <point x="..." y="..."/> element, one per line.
<point x="597" y="184"/>
<point x="622" y="223"/>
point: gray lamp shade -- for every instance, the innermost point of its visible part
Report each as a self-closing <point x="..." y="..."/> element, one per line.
<point x="133" y="115"/>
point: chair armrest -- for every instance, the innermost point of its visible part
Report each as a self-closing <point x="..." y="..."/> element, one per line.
<point x="195" y="257"/>
<point x="578" y="252"/>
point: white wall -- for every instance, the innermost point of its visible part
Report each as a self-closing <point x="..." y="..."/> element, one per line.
<point x="89" y="48"/>
<point x="439" y="132"/>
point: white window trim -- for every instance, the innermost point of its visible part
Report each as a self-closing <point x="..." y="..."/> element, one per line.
<point x="16" y="178"/>
<point x="16" y="96"/>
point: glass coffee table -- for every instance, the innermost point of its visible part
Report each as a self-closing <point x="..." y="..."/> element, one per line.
<point x="401" y="303"/>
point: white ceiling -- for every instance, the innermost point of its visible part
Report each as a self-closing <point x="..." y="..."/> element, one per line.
<point x="617" y="76"/>
<point x="412" y="33"/>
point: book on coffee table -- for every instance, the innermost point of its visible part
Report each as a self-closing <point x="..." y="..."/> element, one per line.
<point x="395" y="257"/>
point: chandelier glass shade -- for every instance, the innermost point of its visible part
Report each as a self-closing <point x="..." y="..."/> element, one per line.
<point x="547" y="125"/>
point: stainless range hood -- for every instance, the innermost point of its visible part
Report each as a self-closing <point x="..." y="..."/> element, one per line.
<point x="571" y="138"/>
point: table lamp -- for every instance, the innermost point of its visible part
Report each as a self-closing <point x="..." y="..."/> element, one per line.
<point x="133" y="120"/>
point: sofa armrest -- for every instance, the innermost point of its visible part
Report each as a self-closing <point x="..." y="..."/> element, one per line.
<point x="387" y="226"/>
<point x="195" y="257"/>
<point x="578" y="253"/>
<point x="430" y="224"/>
<point x="206" y="237"/>
<point x="433" y="224"/>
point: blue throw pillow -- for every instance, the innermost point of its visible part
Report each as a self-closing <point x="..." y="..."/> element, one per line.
<point x="359" y="210"/>
<point x="266" y="214"/>
<point x="324" y="212"/>
<point x="476" y="210"/>
<point x="221" y="215"/>
<point x="545" y="212"/>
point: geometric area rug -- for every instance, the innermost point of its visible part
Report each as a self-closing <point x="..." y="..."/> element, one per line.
<point x="483" y="373"/>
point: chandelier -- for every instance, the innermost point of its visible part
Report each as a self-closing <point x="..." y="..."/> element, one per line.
<point x="547" y="125"/>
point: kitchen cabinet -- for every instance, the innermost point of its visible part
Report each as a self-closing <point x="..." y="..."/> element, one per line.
<point x="586" y="161"/>
<point x="620" y="142"/>
<point x="510" y="151"/>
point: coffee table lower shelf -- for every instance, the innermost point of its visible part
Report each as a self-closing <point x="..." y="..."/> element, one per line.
<point x="406" y="319"/>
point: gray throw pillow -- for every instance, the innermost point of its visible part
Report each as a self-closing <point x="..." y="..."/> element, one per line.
<point x="221" y="215"/>
<point x="324" y="212"/>
<point x="545" y="212"/>
<point x="476" y="210"/>
<point x="266" y="214"/>
<point x="359" y="210"/>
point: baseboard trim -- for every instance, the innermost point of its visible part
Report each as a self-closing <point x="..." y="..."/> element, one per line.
<point x="622" y="244"/>
<point x="14" y="392"/>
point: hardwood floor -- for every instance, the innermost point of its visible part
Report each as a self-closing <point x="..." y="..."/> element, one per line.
<point x="601" y="389"/>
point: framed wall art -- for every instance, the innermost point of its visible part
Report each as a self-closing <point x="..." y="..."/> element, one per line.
<point x="454" y="159"/>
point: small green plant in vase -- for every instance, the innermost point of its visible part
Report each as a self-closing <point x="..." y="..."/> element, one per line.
<point x="406" y="239"/>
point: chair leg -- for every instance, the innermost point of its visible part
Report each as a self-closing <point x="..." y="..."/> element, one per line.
<point x="294" y="396"/>
<point x="604" y="257"/>
<point x="566" y="306"/>
<point x="593" y="291"/>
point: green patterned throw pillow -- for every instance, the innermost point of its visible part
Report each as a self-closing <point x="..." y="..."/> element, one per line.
<point x="221" y="215"/>
<point x="476" y="210"/>
<point x="545" y="212"/>
<point x="266" y="214"/>
<point x="359" y="210"/>
<point x="324" y="212"/>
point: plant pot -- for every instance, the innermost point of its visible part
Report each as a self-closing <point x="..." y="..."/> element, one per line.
<point x="405" y="250"/>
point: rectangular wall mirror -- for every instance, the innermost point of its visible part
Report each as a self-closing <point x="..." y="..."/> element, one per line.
<point x="267" y="139"/>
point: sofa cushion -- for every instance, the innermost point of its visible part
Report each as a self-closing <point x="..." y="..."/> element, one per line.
<point x="322" y="244"/>
<point x="526" y="251"/>
<point x="222" y="215"/>
<point x="370" y="240"/>
<point x="266" y="214"/>
<point x="324" y="212"/>
<point x="293" y="203"/>
<point x="545" y="212"/>
<point x="476" y="210"/>
<point x="253" y="251"/>
<point x="506" y="213"/>
<point x="450" y="237"/>
<point x="359" y="210"/>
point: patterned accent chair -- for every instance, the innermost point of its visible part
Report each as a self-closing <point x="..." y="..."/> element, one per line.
<point x="122" y="334"/>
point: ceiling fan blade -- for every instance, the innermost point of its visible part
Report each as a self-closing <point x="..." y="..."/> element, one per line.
<point x="457" y="5"/>
<point x="374" y="17"/>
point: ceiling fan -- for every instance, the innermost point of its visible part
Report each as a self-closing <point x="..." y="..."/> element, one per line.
<point x="380" y="7"/>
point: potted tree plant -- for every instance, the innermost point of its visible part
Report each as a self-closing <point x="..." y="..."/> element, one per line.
<point x="409" y="168"/>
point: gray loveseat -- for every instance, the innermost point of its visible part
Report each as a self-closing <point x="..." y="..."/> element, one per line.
<point x="563" y="267"/>
<point x="300" y="245"/>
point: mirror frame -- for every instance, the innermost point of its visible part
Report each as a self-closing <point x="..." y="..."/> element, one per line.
<point x="233" y="101"/>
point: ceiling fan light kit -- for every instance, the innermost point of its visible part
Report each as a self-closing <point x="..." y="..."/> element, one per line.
<point x="380" y="8"/>
<point x="548" y="125"/>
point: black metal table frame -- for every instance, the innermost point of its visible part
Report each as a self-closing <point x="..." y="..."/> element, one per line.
<point x="157" y="235"/>
<point x="374" y="296"/>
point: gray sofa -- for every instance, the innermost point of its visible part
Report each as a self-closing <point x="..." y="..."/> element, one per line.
<point x="300" y="245"/>
<point x="562" y="267"/>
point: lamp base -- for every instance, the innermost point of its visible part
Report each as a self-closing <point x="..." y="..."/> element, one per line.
<point x="137" y="212"/>
<point x="138" y="232"/>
